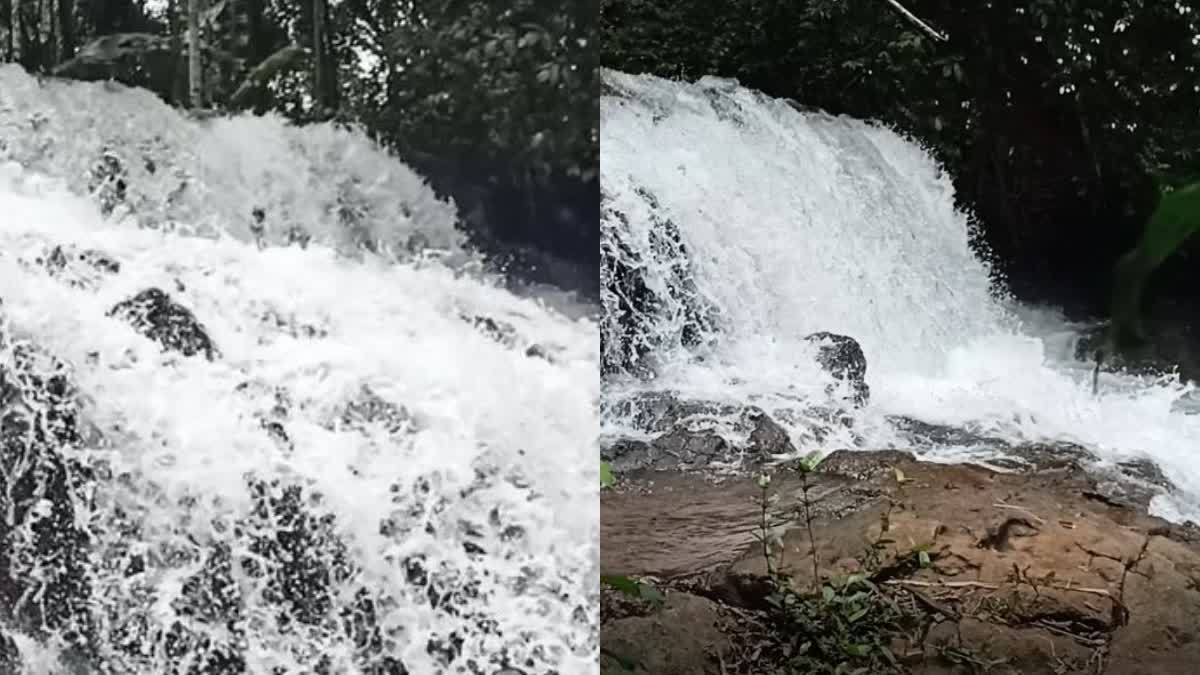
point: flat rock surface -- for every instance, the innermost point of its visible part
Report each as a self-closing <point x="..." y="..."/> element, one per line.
<point x="1030" y="572"/>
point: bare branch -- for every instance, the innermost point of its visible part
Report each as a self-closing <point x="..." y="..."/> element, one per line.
<point x="930" y="30"/>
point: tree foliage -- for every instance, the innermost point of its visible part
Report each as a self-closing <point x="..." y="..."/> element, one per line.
<point x="511" y="84"/>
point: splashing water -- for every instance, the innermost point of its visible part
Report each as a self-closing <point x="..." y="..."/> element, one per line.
<point x="388" y="468"/>
<point x="794" y="222"/>
<point x="148" y="162"/>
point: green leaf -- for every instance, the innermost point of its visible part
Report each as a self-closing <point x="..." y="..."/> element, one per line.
<point x="923" y="558"/>
<point x="651" y="594"/>
<point x="857" y="650"/>
<point x="606" y="475"/>
<point x="621" y="583"/>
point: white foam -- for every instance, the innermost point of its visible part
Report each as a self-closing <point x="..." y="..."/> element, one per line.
<point x="801" y="222"/>
<point x="181" y="428"/>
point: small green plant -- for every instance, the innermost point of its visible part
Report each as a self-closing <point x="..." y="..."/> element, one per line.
<point x="606" y="475"/>
<point x="921" y="553"/>
<point x="634" y="588"/>
<point x="805" y="467"/>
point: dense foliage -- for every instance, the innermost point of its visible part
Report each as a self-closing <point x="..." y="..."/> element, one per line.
<point x="1053" y="116"/>
<point x="496" y="102"/>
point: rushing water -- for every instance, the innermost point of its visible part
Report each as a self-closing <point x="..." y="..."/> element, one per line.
<point x="794" y="222"/>
<point x="450" y="525"/>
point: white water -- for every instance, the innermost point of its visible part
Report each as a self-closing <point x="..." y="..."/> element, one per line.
<point x="506" y="442"/>
<point x="802" y="222"/>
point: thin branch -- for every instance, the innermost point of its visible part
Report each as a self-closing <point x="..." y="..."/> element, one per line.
<point x="930" y="30"/>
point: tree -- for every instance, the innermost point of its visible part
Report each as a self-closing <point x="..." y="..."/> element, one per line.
<point x="195" y="69"/>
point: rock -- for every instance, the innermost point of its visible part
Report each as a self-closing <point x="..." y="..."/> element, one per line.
<point x="1054" y="456"/>
<point x="925" y="434"/>
<point x="43" y="552"/>
<point x="843" y="357"/>
<point x="661" y="411"/>
<point x="1145" y="470"/>
<point x="684" y="637"/>
<point x="1026" y="571"/>
<point x="863" y="466"/>
<point x="767" y="437"/>
<point x="631" y="330"/>
<point x="156" y="316"/>
<point x="695" y="448"/>
<point x="79" y="268"/>
<point x="1161" y="594"/>
<point x="500" y="331"/>
<point x="627" y="455"/>
<point x="367" y="408"/>
<point x="688" y="434"/>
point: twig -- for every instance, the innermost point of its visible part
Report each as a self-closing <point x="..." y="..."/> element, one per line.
<point x="993" y="587"/>
<point x="930" y="30"/>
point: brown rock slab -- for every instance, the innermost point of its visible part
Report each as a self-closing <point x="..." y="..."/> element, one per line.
<point x="685" y="637"/>
<point x="1025" y="573"/>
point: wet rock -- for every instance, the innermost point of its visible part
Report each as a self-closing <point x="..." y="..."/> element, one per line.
<point x="81" y="268"/>
<point x="842" y="357"/>
<point x="692" y="448"/>
<point x="500" y="331"/>
<point x="43" y="551"/>
<point x="926" y="434"/>
<point x="1046" y="456"/>
<point x="662" y="411"/>
<point x="537" y="351"/>
<point x="156" y="316"/>
<point x="634" y="303"/>
<point x="684" y="637"/>
<point x="768" y="437"/>
<point x="1145" y="470"/>
<point x="304" y="558"/>
<point x="367" y="408"/>
<point x="627" y="455"/>
<point x="863" y="465"/>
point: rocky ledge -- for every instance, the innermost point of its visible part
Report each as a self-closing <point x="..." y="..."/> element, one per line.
<point x="1043" y="569"/>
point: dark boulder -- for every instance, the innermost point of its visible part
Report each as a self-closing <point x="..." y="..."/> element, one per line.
<point x="768" y="438"/>
<point x="632" y="307"/>
<point x="927" y="434"/>
<point x="843" y="358"/>
<point x="156" y="316"/>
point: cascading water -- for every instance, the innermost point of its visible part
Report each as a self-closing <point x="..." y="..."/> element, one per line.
<point x="788" y="223"/>
<point x="386" y="466"/>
